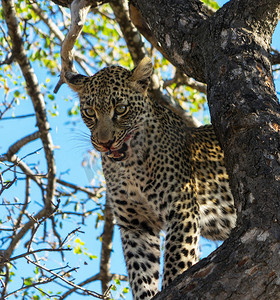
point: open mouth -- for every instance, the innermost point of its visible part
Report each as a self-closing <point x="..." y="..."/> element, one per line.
<point x="118" y="155"/>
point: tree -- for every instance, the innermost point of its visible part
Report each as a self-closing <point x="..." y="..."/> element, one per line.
<point x="230" y="51"/>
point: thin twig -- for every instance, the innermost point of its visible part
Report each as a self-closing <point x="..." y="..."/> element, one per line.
<point x="76" y="187"/>
<point x="36" y="251"/>
<point x="40" y="222"/>
<point x="43" y="281"/>
<point x="71" y="233"/>
<point x="18" y="117"/>
<point x="86" y="291"/>
<point x="27" y="201"/>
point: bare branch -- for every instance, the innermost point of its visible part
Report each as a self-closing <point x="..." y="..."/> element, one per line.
<point x="181" y="79"/>
<point x="106" y="250"/>
<point x="26" y="170"/>
<point x="79" y="11"/>
<point x="35" y="284"/>
<point x="5" y="186"/>
<point x="5" y="284"/>
<point x="37" y="251"/>
<point x="130" y="33"/>
<point x="87" y="292"/>
<point x="39" y="222"/>
<point x="79" y="188"/>
<point x="26" y="202"/>
<point x="7" y="107"/>
<point x="52" y="26"/>
<point x="94" y="278"/>
<point x="18" y="117"/>
<point x="13" y="149"/>
<point x="17" y="238"/>
<point x="71" y="233"/>
<point x="89" y="280"/>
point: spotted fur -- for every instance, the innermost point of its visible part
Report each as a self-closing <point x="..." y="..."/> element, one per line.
<point x="160" y="174"/>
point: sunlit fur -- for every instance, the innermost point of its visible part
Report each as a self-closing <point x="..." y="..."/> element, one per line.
<point x="160" y="175"/>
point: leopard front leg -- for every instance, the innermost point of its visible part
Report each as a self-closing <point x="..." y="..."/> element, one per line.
<point x="142" y="254"/>
<point x="182" y="238"/>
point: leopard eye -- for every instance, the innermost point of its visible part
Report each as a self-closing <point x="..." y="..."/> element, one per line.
<point x="121" y="109"/>
<point x="89" y="112"/>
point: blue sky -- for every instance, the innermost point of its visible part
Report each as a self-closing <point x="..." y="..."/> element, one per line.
<point x="72" y="149"/>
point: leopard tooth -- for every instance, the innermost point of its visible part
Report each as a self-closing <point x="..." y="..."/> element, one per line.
<point x="110" y="154"/>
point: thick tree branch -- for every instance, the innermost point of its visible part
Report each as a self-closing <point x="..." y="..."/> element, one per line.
<point x="106" y="250"/>
<point x="245" y="112"/>
<point x="130" y="33"/>
<point x="13" y="149"/>
<point x="79" y="11"/>
<point x="175" y="26"/>
<point x="81" y="60"/>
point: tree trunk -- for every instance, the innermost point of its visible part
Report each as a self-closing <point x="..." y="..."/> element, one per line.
<point x="230" y="51"/>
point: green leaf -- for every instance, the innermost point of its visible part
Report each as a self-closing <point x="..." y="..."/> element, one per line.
<point x="28" y="281"/>
<point x="78" y="241"/>
<point x="92" y="256"/>
<point x="125" y="290"/>
<point x="51" y="96"/>
<point x="78" y="250"/>
<point x="17" y="93"/>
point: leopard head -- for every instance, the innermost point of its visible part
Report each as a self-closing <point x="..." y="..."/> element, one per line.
<point x="112" y="104"/>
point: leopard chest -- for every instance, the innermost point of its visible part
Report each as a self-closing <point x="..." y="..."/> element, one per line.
<point x="139" y="191"/>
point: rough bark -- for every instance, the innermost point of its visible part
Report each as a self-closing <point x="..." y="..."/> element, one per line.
<point x="230" y="51"/>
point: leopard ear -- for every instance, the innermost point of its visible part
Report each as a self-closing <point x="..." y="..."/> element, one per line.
<point x="76" y="81"/>
<point x="140" y="77"/>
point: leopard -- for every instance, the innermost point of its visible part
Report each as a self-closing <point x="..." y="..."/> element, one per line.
<point x="162" y="176"/>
